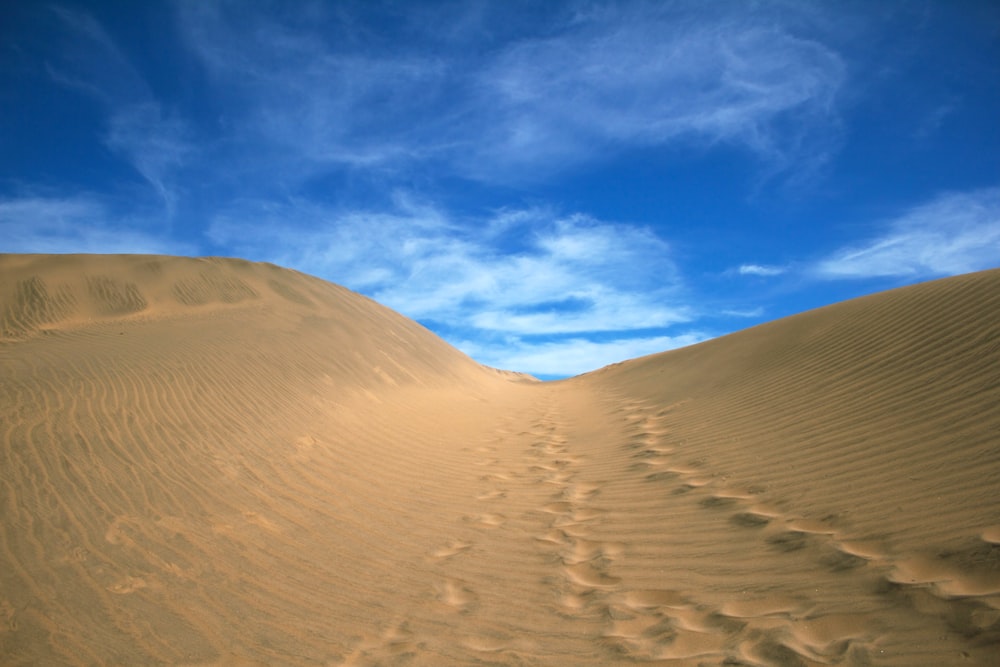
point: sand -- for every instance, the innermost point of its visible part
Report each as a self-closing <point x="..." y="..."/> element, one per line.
<point x="218" y="462"/>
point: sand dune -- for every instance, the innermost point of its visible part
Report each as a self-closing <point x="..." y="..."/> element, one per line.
<point x="208" y="461"/>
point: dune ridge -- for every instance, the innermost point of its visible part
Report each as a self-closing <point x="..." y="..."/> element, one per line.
<point x="213" y="461"/>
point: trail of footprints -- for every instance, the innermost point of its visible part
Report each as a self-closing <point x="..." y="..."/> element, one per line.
<point x="671" y="624"/>
<point x="397" y="643"/>
<point x="585" y="565"/>
<point x="646" y="625"/>
<point x="455" y="593"/>
<point x="782" y="630"/>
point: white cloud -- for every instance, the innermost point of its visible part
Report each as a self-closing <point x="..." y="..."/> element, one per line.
<point x="563" y="275"/>
<point x="573" y="356"/>
<point x="568" y="274"/>
<point x="955" y="233"/>
<point x="79" y="224"/>
<point x="610" y="312"/>
<point x="760" y="270"/>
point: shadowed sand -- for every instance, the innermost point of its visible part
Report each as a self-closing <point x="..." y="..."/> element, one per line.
<point x="218" y="462"/>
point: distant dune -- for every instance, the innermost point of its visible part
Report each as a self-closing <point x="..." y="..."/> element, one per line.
<point x="219" y="462"/>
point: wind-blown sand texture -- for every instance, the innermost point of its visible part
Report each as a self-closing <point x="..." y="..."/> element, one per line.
<point x="208" y="461"/>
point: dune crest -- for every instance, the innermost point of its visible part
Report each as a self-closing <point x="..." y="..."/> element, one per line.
<point x="213" y="461"/>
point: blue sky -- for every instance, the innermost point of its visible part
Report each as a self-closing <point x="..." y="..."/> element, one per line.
<point x="550" y="186"/>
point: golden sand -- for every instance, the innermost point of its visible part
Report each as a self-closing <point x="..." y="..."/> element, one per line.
<point x="218" y="462"/>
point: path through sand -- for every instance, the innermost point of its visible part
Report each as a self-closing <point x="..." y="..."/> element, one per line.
<point x="218" y="462"/>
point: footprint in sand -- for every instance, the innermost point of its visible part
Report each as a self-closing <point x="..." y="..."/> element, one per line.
<point x="574" y="603"/>
<point x="587" y="575"/>
<point x="557" y="507"/>
<point x="452" y="548"/>
<point x="395" y="644"/>
<point x="749" y="520"/>
<point x="558" y="478"/>
<point x="128" y="585"/>
<point x="457" y="595"/>
<point x="8" y="614"/>
<point x="495" y="643"/>
<point x="581" y="550"/>
<point x="554" y="536"/>
<point x="397" y="641"/>
<point x="487" y="520"/>
<point x="645" y="600"/>
<point x="115" y="533"/>
<point x="582" y="492"/>
<point x="640" y="637"/>
<point x="663" y="476"/>
<point x="717" y="502"/>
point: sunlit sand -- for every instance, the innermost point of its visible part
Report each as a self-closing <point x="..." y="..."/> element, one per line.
<point x="208" y="461"/>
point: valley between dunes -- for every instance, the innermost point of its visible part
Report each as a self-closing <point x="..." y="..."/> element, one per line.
<point x="218" y="462"/>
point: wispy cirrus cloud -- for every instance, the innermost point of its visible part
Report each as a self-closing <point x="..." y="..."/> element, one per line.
<point x="640" y="75"/>
<point x="582" y="85"/>
<point x="954" y="233"/>
<point x="79" y="223"/>
<point x="307" y="95"/>
<point x="298" y="95"/>
<point x="155" y="142"/>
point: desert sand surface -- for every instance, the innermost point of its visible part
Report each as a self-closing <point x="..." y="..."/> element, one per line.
<point x="218" y="462"/>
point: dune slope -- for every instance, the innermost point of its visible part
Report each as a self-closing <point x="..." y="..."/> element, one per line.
<point x="207" y="461"/>
<point x="854" y="452"/>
